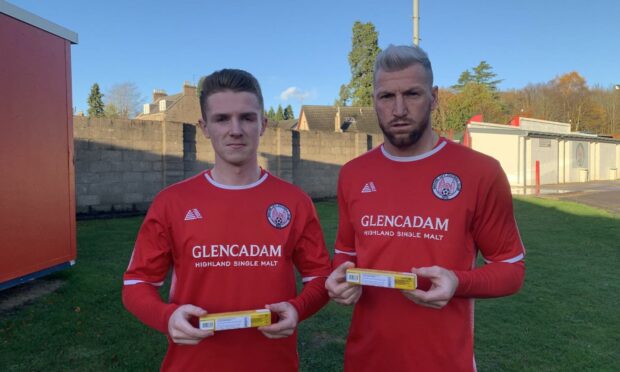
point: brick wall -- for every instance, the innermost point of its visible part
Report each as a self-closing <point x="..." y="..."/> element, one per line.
<point x="122" y="164"/>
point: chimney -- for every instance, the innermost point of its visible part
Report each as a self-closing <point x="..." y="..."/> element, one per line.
<point x="158" y="94"/>
<point x="189" y="89"/>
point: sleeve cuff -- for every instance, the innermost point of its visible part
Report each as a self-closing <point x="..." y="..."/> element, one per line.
<point x="464" y="278"/>
<point x="168" y="310"/>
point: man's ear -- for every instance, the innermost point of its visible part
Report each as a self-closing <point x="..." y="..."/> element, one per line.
<point x="203" y="127"/>
<point x="435" y="93"/>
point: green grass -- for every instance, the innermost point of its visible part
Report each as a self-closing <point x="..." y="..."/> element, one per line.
<point x="566" y="317"/>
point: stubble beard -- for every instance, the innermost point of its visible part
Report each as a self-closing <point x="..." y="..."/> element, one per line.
<point x="403" y="142"/>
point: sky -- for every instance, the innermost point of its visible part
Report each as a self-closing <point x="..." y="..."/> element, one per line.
<point x="298" y="49"/>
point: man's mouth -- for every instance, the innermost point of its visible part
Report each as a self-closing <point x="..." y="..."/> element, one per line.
<point x="400" y="124"/>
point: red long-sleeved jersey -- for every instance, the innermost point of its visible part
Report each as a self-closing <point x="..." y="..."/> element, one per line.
<point x="439" y="208"/>
<point x="230" y="248"/>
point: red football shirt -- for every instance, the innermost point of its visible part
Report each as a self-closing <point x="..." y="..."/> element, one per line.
<point x="439" y="208"/>
<point x="230" y="248"/>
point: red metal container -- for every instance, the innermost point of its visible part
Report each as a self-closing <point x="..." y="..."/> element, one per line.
<point x="37" y="196"/>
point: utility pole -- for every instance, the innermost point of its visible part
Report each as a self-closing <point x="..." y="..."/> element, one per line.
<point x="416" y="22"/>
<point x="614" y="97"/>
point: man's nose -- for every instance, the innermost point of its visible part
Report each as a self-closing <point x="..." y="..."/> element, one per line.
<point x="235" y="127"/>
<point x="400" y="108"/>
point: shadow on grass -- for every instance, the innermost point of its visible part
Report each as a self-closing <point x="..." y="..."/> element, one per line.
<point x="562" y="318"/>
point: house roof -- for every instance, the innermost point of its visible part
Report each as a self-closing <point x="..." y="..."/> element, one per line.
<point x="365" y="119"/>
<point x="173" y="98"/>
<point x="154" y="106"/>
<point x="352" y="119"/>
<point x="320" y="118"/>
<point x="284" y="124"/>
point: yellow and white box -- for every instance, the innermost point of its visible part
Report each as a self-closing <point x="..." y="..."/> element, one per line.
<point x="382" y="278"/>
<point x="235" y="320"/>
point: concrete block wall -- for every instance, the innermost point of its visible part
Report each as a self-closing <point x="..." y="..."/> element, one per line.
<point x="319" y="156"/>
<point x="199" y="154"/>
<point x="275" y="152"/>
<point x="122" y="164"/>
<point x="118" y="164"/>
<point x="172" y="145"/>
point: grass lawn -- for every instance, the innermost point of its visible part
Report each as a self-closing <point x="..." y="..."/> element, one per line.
<point x="566" y="318"/>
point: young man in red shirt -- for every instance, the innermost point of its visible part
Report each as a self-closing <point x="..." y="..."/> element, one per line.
<point x="232" y="236"/>
<point x="423" y="204"/>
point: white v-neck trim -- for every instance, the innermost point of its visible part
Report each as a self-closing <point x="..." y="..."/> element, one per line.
<point x="415" y="157"/>
<point x="236" y="187"/>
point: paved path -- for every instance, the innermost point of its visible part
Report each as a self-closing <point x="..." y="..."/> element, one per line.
<point x="599" y="194"/>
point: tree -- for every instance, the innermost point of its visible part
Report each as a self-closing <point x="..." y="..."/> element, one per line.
<point x="271" y="114"/>
<point x="288" y="113"/>
<point x="464" y="79"/>
<point x="475" y="93"/>
<point x="573" y="96"/>
<point x="609" y="101"/>
<point x="472" y="100"/>
<point x="482" y="74"/>
<point x="125" y="98"/>
<point x="566" y="99"/>
<point x="95" y="102"/>
<point x="441" y="112"/>
<point x="111" y="111"/>
<point x="364" y="50"/>
<point x="537" y="102"/>
<point x="343" y="96"/>
<point x="279" y="113"/>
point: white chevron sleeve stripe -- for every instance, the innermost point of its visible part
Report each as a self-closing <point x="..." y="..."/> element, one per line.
<point x="337" y="251"/>
<point x="134" y="281"/>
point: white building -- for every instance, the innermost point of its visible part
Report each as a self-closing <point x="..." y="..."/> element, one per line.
<point x="560" y="155"/>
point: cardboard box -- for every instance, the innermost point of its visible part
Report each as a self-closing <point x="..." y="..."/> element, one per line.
<point x="235" y="320"/>
<point x="382" y="278"/>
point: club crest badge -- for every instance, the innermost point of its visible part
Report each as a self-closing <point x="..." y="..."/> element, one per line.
<point x="278" y="215"/>
<point x="446" y="186"/>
